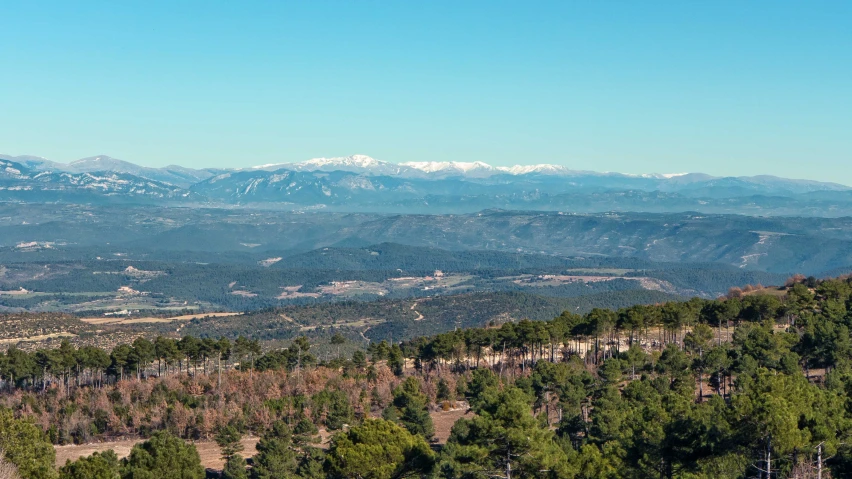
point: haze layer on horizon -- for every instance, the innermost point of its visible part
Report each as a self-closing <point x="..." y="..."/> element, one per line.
<point x="727" y="88"/>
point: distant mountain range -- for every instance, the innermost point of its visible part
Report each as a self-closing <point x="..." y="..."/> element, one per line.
<point x="175" y="175"/>
<point x="19" y="182"/>
<point x="360" y="182"/>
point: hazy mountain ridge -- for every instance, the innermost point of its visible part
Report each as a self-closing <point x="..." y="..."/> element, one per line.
<point x="479" y="170"/>
<point x="363" y="183"/>
<point x="174" y="175"/>
<point x="433" y="169"/>
<point x="19" y="182"/>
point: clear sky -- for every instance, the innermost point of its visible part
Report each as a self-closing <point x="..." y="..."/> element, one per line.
<point x="726" y="88"/>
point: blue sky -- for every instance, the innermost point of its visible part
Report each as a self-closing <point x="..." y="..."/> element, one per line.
<point x="727" y="88"/>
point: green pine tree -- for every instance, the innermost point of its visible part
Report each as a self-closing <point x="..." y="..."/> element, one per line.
<point x="27" y="447"/>
<point x="275" y="457"/>
<point x="379" y="449"/>
<point x="235" y="468"/>
<point x="163" y="456"/>
<point x="100" y="465"/>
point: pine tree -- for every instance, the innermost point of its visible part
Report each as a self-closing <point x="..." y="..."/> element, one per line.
<point x="503" y="441"/>
<point x="163" y="456"/>
<point x="100" y="465"/>
<point x="275" y="458"/>
<point x="409" y="407"/>
<point x="228" y="439"/>
<point x="235" y="468"/>
<point x="378" y="449"/>
<point x="26" y="447"/>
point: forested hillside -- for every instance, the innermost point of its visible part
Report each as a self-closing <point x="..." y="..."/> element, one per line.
<point x="754" y="384"/>
<point x="783" y="244"/>
<point x="399" y="320"/>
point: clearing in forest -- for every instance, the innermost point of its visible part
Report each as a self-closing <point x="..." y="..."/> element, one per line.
<point x="153" y="319"/>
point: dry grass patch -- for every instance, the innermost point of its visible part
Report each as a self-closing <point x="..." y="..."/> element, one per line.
<point x="444" y="421"/>
<point x="152" y="319"/>
<point x="42" y="337"/>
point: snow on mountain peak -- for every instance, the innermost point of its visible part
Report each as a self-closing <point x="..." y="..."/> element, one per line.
<point x="361" y="161"/>
<point x="439" y="166"/>
<point x="94" y="159"/>
<point x="346" y="162"/>
<point x="474" y="169"/>
<point x="527" y="169"/>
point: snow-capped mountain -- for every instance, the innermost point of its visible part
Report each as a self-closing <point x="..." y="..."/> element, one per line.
<point x="173" y="175"/>
<point x="310" y="187"/>
<point x="542" y="169"/>
<point x="102" y="163"/>
<point x="20" y="182"/>
<point x="437" y="169"/>
<point x="442" y="169"/>
<point x="11" y="170"/>
<point x="362" y="183"/>
<point x="33" y="162"/>
<point x="354" y="164"/>
<point x="414" y="169"/>
<point x="481" y="171"/>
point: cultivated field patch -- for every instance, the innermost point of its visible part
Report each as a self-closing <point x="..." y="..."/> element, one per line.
<point x="153" y="319"/>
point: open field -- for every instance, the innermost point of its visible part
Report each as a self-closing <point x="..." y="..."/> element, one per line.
<point x="358" y="323"/>
<point x="119" y="302"/>
<point x="439" y="282"/>
<point x="25" y="294"/>
<point x="600" y="271"/>
<point x="41" y="337"/>
<point x="778" y="293"/>
<point x="560" y="279"/>
<point x="152" y="319"/>
<point x="15" y="292"/>
<point x="444" y="420"/>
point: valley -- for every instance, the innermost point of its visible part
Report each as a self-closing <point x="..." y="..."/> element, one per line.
<point x="105" y="274"/>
